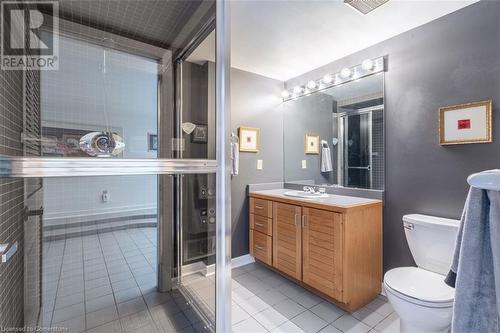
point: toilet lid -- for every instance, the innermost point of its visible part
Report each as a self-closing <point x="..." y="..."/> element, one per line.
<point x="419" y="284"/>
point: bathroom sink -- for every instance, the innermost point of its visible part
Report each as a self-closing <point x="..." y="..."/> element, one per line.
<point x="303" y="194"/>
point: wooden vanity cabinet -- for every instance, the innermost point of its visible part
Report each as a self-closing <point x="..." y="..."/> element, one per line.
<point x="322" y="251"/>
<point x="261" y="230"/>
<point x="334" y="251"/>
<point x="287" y="240"/>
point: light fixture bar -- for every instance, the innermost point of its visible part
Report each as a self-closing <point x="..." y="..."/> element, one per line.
<point x="366" y="68"/>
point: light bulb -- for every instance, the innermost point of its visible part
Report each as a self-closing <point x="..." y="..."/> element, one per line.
<point x="327" y="79"/>
<point x="285" y="94"/>
<point x="367" y="64"/>
<point x="297" y="90"/>
<point x="345" y="73"/>
<point x="311" y="84"/>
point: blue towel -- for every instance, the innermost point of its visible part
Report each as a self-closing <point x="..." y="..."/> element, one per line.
<point x="475" y="270"/>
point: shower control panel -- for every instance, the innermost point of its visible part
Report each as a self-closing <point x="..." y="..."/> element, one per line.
<point x="206" y="193"/>
<point x="207" y="216"/>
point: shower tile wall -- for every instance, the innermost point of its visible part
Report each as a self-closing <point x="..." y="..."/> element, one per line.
<point x="11" y="230"/>
<point x="13" y="227"/>
<point x="378" y="149"/>
<point x="166" y="20"/>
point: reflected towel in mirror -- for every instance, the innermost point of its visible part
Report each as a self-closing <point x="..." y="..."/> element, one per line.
<point x="326" y="157"/>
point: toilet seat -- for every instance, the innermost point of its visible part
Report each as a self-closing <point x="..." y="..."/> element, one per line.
<point x="419" y="286"/>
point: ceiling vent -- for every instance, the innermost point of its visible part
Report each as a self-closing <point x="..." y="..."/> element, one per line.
<point x="365" y="6"/>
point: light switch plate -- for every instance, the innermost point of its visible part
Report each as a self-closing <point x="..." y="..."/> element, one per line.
<point x="259" y="164"/>
<point x="304" y="164"/>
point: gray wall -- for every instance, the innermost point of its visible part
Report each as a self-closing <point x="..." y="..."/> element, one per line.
<point x="307" y="115"/>
<point x="255" y="102"/>
<point x="454" y="59"/>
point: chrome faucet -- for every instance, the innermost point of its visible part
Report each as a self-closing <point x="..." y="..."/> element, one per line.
<point x="309" y="189"/>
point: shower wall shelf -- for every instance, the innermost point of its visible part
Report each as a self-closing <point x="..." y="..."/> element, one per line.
<point x="29" y="167"/>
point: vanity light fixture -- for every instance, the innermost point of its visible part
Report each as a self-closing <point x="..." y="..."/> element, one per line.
<point x="367" y="64"/>
<point x="355" y="75"/>
<point x="327" y="79"/>
<point x="311" y="84"/>
<point x="297" y="90"/>
<point x="347" y="74"/>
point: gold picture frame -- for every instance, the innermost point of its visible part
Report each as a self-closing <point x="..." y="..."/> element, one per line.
<point x="249" y="139"/>
<point x="465" y="123"/>
<point x="311" y="144"/>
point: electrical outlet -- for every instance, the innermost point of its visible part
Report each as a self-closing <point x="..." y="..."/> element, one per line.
<point x="304" y="164"/>
<point x="105" y="196"/>
<point x="259" y="164"/>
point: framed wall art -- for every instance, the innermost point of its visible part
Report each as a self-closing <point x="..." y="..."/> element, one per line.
<point x="312" y="144"/>
<point x="465" y="123"/>
<point x="249" y="139"/>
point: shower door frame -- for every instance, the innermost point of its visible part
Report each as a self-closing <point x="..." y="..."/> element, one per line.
<point x="343" y="125"/>
<point x="222" y="155"/>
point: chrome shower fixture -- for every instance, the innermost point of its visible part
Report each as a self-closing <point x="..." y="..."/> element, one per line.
<point x="102" y="144"/>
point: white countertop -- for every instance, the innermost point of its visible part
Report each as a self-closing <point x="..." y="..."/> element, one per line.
<point x="332" y="199"/>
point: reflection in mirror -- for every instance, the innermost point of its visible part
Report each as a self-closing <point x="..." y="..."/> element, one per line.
<point x="349" y="120"/>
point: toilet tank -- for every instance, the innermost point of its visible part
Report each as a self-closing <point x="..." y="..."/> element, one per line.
<point x="431" y="240"/>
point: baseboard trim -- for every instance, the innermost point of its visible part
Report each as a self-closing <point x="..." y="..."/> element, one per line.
<point x="242" y="260"/>
<point x="55" y="219"/>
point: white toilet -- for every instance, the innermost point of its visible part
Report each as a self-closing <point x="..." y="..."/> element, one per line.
<point x="419" y="295"/>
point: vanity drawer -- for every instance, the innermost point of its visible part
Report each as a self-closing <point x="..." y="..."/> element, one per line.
<point x="261" y="246"/>
<point x="261" y="207"/>
<point x="262" y="224"/>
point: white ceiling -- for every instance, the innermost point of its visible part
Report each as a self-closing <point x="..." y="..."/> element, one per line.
<point x="283" y="39"/>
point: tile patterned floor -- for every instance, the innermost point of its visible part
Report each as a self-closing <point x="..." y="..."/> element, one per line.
<point x="264" y="301"/>
<point x="107" y="283"/>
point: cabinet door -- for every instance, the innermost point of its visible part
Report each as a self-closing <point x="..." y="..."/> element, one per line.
<point x="322" y="246"/>
<point x="287" y="239"/>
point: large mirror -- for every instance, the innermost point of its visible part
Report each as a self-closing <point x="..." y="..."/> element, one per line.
<point x="347" y="123"/>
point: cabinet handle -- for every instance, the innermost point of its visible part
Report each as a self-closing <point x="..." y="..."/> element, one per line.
<point x="296" y="221"/>
<point x="259" y="224"/>
<point x="258" y="247"/>
<point x="259" y="207"/>
<point x="304" y="220"/>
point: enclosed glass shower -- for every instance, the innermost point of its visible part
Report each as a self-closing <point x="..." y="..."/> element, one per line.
<point x="109" y="210"/>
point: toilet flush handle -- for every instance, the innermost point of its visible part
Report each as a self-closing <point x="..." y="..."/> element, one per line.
<point x="409" y="226"/>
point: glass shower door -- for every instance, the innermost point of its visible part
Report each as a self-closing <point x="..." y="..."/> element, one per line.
<point x="196" y="194"/>
<point x="93" y="187"/>
<point x="90" y="183"/>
